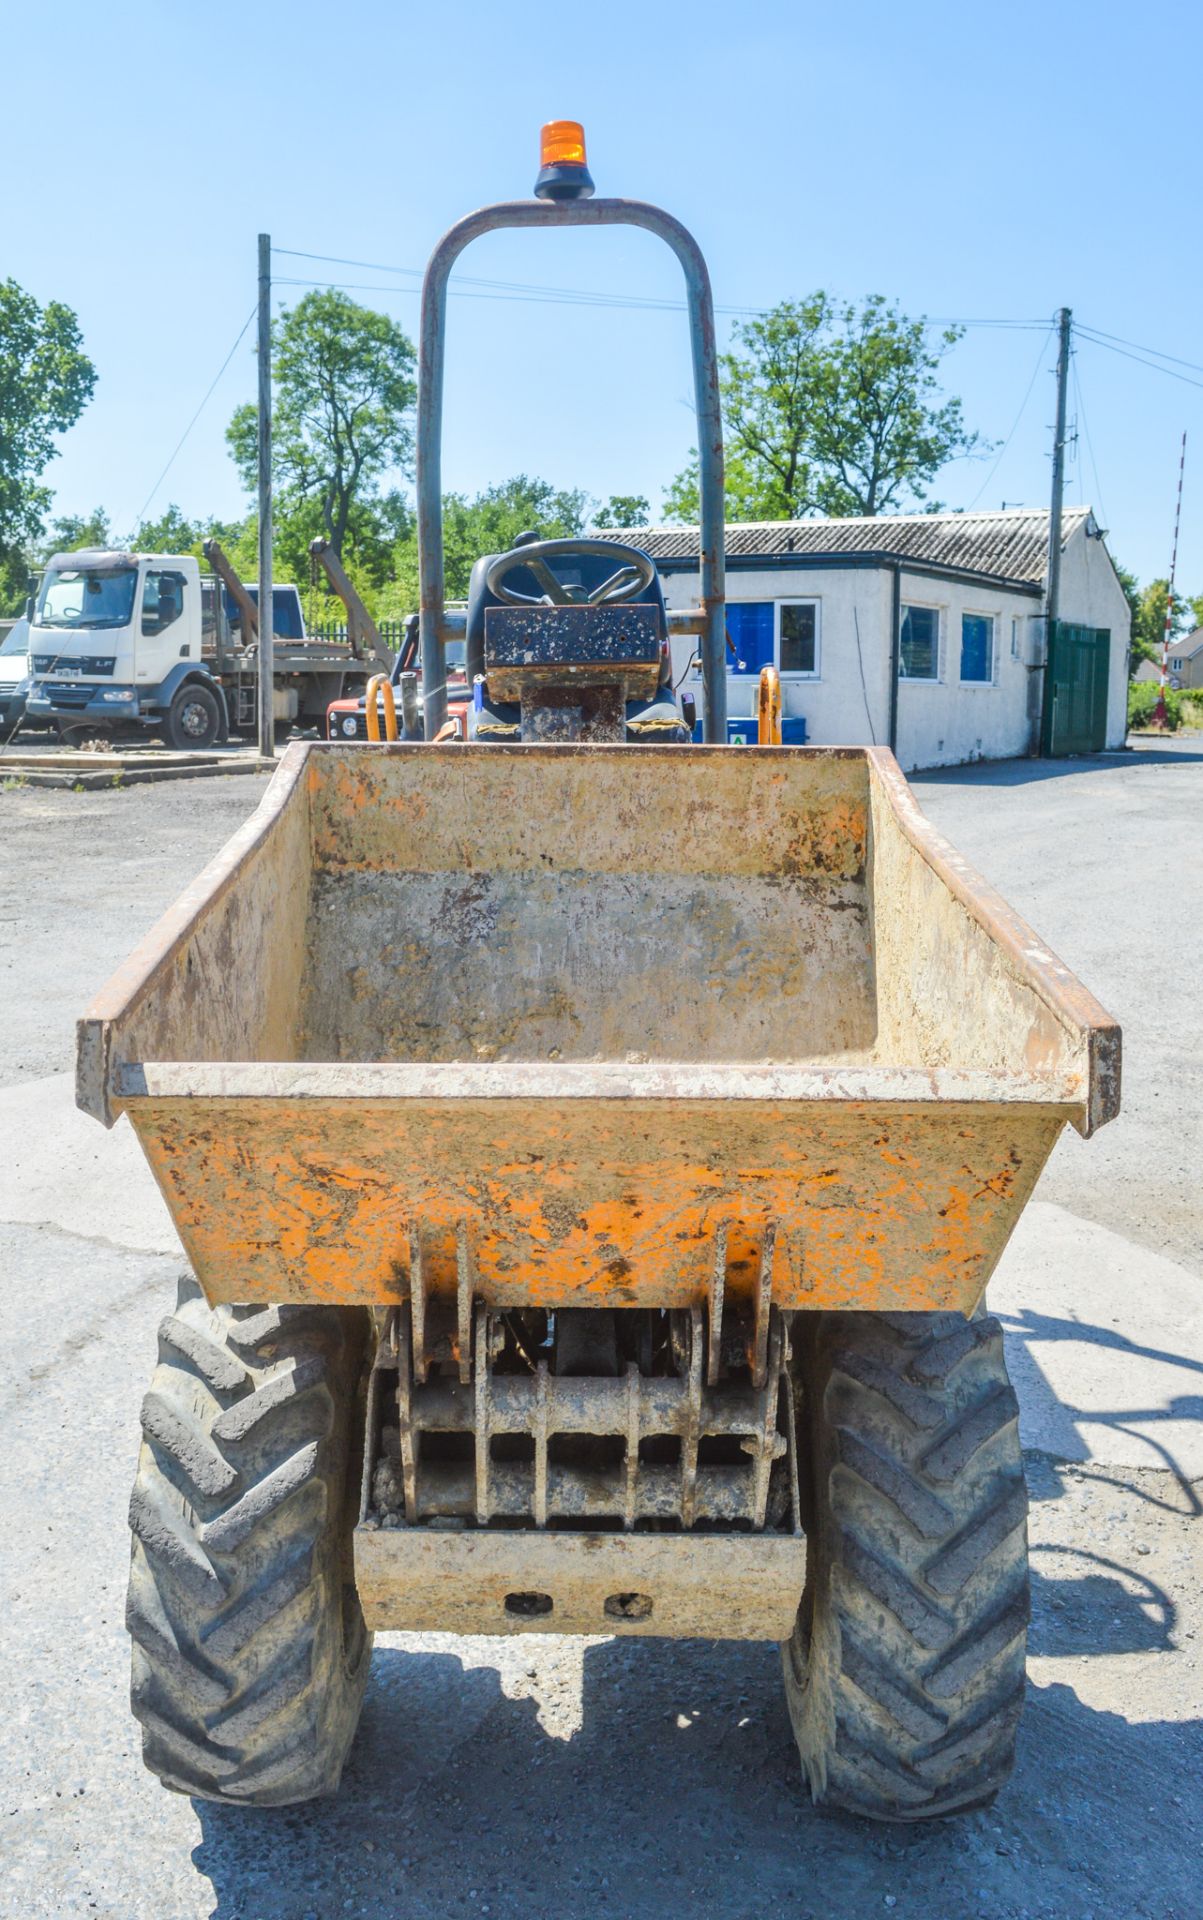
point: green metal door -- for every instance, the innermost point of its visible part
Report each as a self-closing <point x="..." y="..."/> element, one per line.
<point x="1075" y="690"/>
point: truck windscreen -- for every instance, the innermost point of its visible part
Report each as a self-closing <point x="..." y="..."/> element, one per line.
<point x="75" y="598"/>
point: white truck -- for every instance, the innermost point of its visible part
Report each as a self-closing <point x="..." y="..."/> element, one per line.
<point x="140" y="640"/>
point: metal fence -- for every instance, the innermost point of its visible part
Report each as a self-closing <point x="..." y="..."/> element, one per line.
<point x="392" y="632"/>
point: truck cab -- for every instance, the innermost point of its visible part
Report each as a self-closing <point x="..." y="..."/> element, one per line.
<point x="116" y="639"/>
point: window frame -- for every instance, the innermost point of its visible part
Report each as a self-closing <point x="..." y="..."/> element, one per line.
<point x="979" y="613"/>
<point x="923" y="679"/>
<point x="799" y="600"/>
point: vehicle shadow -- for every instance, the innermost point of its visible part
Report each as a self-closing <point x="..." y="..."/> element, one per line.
<point x="679" y="1794"/>
<point x="1068" y="1425"/>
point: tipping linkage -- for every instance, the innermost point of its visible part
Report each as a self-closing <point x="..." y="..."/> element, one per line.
<point x="632" y="1419"/>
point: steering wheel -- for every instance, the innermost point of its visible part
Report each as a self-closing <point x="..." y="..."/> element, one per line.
<point x="633" y="578"/>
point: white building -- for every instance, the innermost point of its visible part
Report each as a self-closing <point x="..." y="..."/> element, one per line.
<point x="921" y="631"/>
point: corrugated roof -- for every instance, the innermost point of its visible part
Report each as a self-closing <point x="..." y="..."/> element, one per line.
<point x="1010" y="545"/>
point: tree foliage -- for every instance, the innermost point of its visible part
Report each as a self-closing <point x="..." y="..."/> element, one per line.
<point x="624" y="510"/>
<point x="1148" y="622"/>
<point x="490" y="522"/>
<point x="170" y="532"/>
<point x="832" y="409"/>
<point x="67" y="532"/>
<point x="46" y="381"/>
<point x="1148" y="605"/>
<point x="344" y="393"/>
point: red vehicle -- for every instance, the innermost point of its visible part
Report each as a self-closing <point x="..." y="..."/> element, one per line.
<point x="347" y="719"/>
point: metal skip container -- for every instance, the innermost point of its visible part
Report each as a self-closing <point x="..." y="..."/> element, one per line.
<point x="569" y="1015"/>
<point x="446" y="1031"/>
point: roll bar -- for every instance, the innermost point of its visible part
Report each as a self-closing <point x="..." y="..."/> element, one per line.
<point x="570" y="213"/>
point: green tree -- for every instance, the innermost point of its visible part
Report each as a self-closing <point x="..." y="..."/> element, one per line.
<point x="624" y="510"/>
<point x="46" y="381"/>
<point x="488" y="523"/>
<point x="171" y="532"/>
<point x="68" y="532"/>
<point x="1148" y="617"/>
<point x="1147" y="607"/>
<point x="831" y="409"/>
<point x="344" y="393"/>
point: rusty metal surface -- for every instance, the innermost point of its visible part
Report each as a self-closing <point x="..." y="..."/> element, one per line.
<point x="530" y="647"/>
<point x="217" y="978"/>
<point x="595" y="1202"/>
<point x="590" y="1008"/>
<point x="923" y="878"/>
<point x="711" y="1586"/>
<point x="638" y="1409"/>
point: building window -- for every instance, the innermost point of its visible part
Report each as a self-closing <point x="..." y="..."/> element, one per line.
<point x="774" y="633"/>
<point x="798" y="637"/>
<point x="977" y="649"/>
<point x="1014" y="639"/>
<point x="919" y="644"/>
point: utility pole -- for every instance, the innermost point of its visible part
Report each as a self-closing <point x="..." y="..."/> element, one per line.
<point x="1167" y="631"/>
<point x="1038" y="680"/>
<point x="1053" y="585"/>
<point x="266" y="715"/>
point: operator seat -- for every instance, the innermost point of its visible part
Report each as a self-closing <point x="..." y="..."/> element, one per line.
<point x="649" y="722"/>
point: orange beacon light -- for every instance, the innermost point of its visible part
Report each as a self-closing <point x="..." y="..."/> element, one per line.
<point x="563" y="172"/>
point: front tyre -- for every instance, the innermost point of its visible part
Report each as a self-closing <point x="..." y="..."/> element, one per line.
<point x="193" y="718"/>
<point x="905" y="1672"/>
<point x="250" y="1653"/>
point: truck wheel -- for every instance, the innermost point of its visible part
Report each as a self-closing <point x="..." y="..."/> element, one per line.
<point x="250" y="1653"/>
<point x="193" y="718"/>
<point x="905" y="1672"/>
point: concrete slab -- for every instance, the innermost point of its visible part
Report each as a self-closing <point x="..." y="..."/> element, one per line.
<point x="90" y="772"/>
<point x="63" y="1170"/>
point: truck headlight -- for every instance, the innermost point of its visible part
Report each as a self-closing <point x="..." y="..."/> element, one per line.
<point x="119" y="695"/>
<point x="350" y="725"/>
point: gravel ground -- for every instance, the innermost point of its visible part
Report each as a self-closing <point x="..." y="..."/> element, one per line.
<point x="568" y="1778"/>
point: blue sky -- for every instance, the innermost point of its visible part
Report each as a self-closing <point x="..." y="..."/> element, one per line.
<point x="984" y="163"/>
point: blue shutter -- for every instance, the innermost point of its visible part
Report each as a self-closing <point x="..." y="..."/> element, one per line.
<point x="750" y="626"/>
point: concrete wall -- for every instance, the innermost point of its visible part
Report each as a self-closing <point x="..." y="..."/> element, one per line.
<point x="840" y="710"/>
<point x="1091" y="596"/>
<point x="941" y="722"/>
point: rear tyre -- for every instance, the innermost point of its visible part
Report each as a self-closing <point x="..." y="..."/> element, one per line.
<point x="905" y="1672"/>
<point x="250" y="1653"/>
<point x="193" y="718"/>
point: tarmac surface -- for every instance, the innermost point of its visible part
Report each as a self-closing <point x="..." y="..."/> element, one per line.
<point x="540" y="1776"/>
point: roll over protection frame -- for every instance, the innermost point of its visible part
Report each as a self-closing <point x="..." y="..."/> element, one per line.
<point x="435" y="627"/>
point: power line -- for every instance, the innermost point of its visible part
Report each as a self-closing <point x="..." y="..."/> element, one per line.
<point x="1015" y="423"/>
<point x="582" y="296"/>
<point x="1095" y="341"/>
<point x="1118" y="340"/>
<point x="196" y="416"/>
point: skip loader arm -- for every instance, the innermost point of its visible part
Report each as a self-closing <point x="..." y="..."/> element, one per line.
<point x="362" y="631"/>
<point x="215" y="554"/>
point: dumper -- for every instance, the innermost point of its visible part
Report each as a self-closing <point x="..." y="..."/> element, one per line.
<point x="591" y="1151"/>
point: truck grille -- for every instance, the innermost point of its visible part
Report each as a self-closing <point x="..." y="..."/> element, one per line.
<point x="99" y="665"/>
